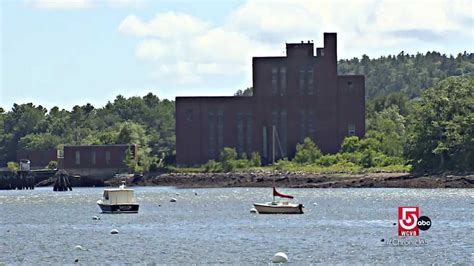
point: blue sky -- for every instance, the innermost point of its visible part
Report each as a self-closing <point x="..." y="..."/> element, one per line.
<point x="63" y="53"/>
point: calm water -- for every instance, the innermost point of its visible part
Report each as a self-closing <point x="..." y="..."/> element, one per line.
<point x="345" y="225"/>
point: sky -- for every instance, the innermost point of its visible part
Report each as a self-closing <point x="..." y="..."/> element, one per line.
<point x="73" y="52"/>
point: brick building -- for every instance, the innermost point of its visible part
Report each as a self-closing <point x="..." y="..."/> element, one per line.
<point x="96" y="160"/>
<point x="38" y="158"/>
<point x="300" y="95"/>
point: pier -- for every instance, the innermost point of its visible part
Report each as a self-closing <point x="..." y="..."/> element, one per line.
<point x="19" y="180"/>
<point x="23" y="179"/>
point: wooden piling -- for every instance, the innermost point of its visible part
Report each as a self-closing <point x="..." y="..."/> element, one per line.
<point x="62" y="181"/>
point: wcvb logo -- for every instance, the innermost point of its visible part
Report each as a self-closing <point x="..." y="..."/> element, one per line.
<point x="410" y="222"/>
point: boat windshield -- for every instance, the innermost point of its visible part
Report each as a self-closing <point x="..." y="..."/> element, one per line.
<point x="106" y="195"/>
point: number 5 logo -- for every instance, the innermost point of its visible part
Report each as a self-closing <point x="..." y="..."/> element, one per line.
<point x="407" y="218"/>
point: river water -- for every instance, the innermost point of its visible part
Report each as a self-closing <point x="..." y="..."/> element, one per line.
<point x="215" y="226"/>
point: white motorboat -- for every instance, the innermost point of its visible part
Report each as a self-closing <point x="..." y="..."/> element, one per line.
<point x="118" y="200"/>
<point x="279" y="207"/>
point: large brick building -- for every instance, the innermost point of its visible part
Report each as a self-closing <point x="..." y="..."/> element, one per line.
<point x="299" y="94"/>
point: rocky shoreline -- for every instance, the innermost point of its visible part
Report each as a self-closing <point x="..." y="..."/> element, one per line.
<point x="301" y="180"/>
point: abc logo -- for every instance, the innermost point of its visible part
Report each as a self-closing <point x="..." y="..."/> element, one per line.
<point x="424" y="223"/>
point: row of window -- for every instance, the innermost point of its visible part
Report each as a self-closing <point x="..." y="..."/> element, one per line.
<point x="279" y="81"/>
<point x="305" y="84"/>
<point x="244" y="133"/>
<point x="244" y="125"/>
<point x="280" y="121"/>
<point x="306" y="124"/>
<point x="93" y="158"/>
<point x="215" y="131"/>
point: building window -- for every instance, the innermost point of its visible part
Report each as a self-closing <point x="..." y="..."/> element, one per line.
<point x="282" y="81"/>
<point x="78" y="157"/>
<point x="107" y="158"/>
<point x="249" y="134"/>
<point x="211" y="138"/>
<point x="189" y="114"/>
<point x="280" y="121"/>
<point x="311" y="120"/>
<point x="301" y="82"/>
<point x="310" y="82"/>
<point x="240" y="133"/>
<point x="283" y="131"/>
<point x="93" y="158"/>
<point x="302" y="125"/>
<point x="274" y="81"/>
<point x="351" y="130"/>
<point x="265" y="142"/>
<point x="350" y="86"/>
<point x="220" y="130"/>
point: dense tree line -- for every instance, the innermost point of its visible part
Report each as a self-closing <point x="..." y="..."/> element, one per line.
<point x="414" y="117"/>
<point x="405" y="73"/>
<point x="146" y="121"/>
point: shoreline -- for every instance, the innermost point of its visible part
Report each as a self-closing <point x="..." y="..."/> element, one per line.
<point x="300" y="180"/>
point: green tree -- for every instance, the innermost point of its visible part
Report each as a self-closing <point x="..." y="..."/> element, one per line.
<point x="42" y="141"/>
<point x="350" y="144"/>
<point x="307" y="152"/>
<point x="256" y="159"/>
<point x="388" y="128"/>
<point x="441" y="131"/>
<point x="228" y="159"/>
<point x="134" y="133"/>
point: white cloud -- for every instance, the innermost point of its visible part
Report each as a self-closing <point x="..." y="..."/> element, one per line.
<point x="129" y="3"/>
<point x="166" y="25"/>
<point x="61" y="4"/>
<point x="191" y="50"/>
<point x="185" y="49"/>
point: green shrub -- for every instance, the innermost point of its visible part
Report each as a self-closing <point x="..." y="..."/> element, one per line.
<point x="353" y="157"/>
<point x="242" y="164"/>
<point x="307" y="152"/>
<point x="328" y="160"/>
<point x="228" y="158"/>
<point x="13" y="167"/>
<point x="256" y="160"/>
<point x="367" y="159"/>
<point x="52" y="165"/>
<point x="350" y="144"/>
<point x="212" y="167"/>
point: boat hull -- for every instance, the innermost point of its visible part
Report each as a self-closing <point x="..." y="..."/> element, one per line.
<point x="279" y="209"/>
<point x="119" y="208"/>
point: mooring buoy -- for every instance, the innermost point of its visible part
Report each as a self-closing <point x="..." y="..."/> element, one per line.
<point x="280" y="257"/>
<point x="114" y="231"/>
<point x="79" y="247"/>
<point x="253" y="210"/>
<point x="172" y="200"/>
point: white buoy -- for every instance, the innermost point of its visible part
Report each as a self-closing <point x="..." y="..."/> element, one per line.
<point x="315" y="204"/>
<point x="253" y="210"/>
<point x="79" y="247"/>
<point x="172" y="200"/>
<point x="280" y="257"/>
<point x="114" y="231"/>
<point x="95" y="218"/>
